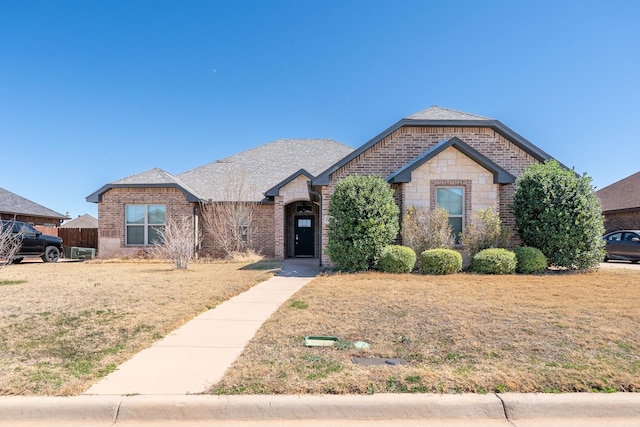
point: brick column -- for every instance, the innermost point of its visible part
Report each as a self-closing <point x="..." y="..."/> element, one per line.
<point x="278" y="219"/>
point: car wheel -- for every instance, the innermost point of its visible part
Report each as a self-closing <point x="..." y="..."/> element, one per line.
<point x="606" y="258"/>
<point x="635" y="261"/>
<point x="51" y="254"/>
<point x="16" y="260"/>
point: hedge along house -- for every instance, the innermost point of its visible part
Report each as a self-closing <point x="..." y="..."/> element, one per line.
<point x="460" y="161"/>
<point x="272" y="177"/>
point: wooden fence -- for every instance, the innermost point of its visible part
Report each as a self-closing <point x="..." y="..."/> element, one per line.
<point x="79" y="237"/>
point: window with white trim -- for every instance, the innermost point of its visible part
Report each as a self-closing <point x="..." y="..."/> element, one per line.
<point x="144" y="223"/>
<point x="452" y="200"/>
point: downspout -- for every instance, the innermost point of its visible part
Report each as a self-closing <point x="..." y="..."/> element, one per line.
<point x="196" y="241"/>
<point x="320" y="219"/>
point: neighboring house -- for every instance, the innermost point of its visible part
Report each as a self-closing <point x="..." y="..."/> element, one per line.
<point x="17" y="207"/>
<point x="620" y="203"/>
<point x="438" y="156"/>
<point x="82" y="221"/>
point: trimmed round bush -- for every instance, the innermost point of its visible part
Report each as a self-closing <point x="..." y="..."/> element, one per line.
<point x="530" y="260"/>
<point x="494" y="261"/>
<point x="440" y="261"/>
<point x="397" y="259"/>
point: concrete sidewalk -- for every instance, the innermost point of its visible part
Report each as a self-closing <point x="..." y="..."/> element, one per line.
<point x="194" y="357"/>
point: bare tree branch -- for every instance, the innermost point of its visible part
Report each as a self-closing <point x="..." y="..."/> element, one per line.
<point x="178" y="242"/>
<point x="10" y="243"/>
<point x="230" y="220"/>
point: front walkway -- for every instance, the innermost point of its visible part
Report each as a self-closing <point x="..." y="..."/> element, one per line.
<point x="194" y="357"/>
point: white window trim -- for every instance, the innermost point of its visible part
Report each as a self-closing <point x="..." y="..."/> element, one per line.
<point x="145" y="225"/>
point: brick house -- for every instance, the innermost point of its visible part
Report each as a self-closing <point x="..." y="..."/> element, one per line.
<point x="437" y="156"/>
<point x="13" y="206"/>
<point x="274" y="177"/>
<point x="620" y="203"/>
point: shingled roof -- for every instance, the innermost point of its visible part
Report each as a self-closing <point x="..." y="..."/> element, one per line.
<point x="263" y="167"/>
<point x="83" y="221"/>
<point x="258" y="169"/>
<point x="623" y="195"/>
<point x="441" y="113"/>
<point x="11" y="203"/>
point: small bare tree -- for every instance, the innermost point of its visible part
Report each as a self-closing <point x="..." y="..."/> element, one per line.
<point x="424" y="229"/>
<point x="484" y="230"/>
<point x="230" y="220"/>
<point x="9" y="243"/>
<point x="177" y="242"/>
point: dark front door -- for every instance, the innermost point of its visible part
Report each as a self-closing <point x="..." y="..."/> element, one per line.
<point x="304" y="236"/>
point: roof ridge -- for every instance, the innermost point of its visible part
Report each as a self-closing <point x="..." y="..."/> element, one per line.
<point x="443" y="113"/>
<point x="143" y="172"/>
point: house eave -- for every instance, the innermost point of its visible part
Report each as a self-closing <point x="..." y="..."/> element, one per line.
<point x="96" y="196"/>
<point x="275" y="190"/>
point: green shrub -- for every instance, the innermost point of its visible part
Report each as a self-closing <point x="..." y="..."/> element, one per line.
<point x="483" y="231"/>
<point x="494" y="261"/>
<point x="397" y="259"/>
<point x="530" y="260"/>
<point x="424" y="229"/>
<point x="440" y="261"/>
<point x="363" y="220"/>
<point x="558" y="212"/>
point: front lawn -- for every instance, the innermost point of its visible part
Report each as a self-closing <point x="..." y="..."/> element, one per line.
<point x="65" y="325"/>
<point x="457" y="333"/>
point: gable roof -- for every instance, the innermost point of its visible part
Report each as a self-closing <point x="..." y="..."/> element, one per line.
<point x="439" y="117"/>
<point x="11" y="203"/>
<point x="500" y="176"/>
<point x="622" y="195"/>
<point x="257" y="170"/>
<point x="154" y="178"/>
<point x="275" y="190"/>
<point x="83" y="221"/>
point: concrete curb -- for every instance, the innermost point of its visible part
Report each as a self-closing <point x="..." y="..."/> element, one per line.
<point x="519" y="406"/>
<point x="509" y="407"/>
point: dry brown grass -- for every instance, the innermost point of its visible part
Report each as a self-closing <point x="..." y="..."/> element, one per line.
<point x="64" y="325"/>
<point x="459" y="333"/>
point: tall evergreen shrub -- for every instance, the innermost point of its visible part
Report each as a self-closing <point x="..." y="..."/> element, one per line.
<point x="558" y="212"/>
<point x="363" y="220"/>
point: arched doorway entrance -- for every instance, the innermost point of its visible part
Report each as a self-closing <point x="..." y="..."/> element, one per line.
<point x="301" y="230"/>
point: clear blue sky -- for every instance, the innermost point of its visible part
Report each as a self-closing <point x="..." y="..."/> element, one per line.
<point x="93" y="91"/>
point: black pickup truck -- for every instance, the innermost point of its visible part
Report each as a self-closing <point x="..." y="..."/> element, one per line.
<point x="33" y="242"/>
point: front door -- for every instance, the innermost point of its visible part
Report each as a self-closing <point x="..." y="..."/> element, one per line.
<point x="304" y="236"/>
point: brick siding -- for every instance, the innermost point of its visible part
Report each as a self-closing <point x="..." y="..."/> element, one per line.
<point x="622" y="221"/>
<point x="407" y="143"/>
<point x="111" y="215"/>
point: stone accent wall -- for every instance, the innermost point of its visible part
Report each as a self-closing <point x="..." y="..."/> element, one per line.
<point x="111" y="215"/>
<point x="407" y="143"/>
<point x="295" y="190"/>
<point x="453" y="169"/>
